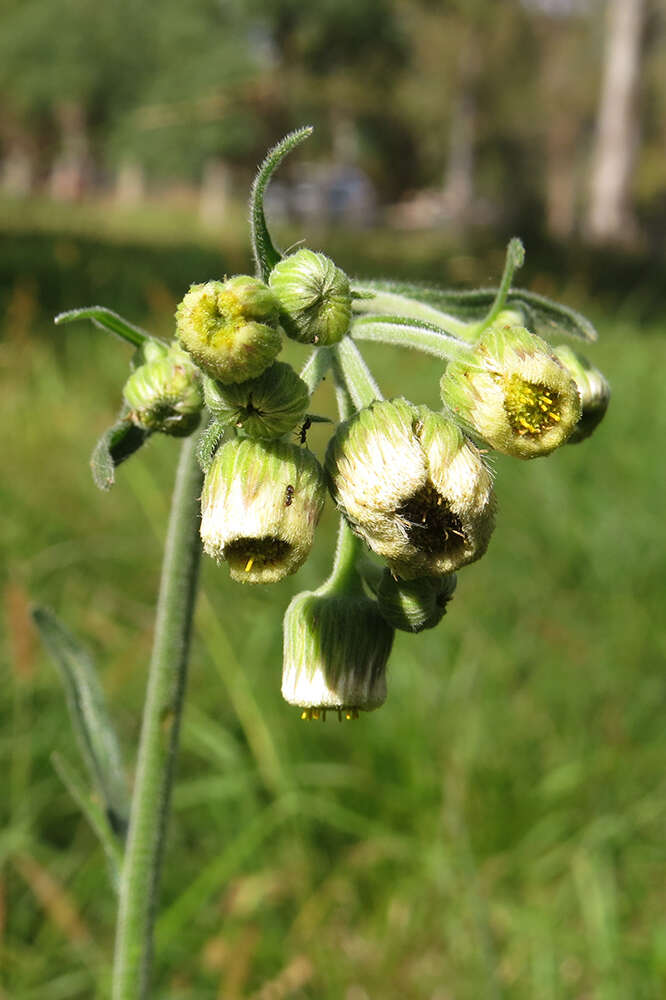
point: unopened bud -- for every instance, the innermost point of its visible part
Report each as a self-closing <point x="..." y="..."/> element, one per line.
<point x="336" y="647"/>
<point x="266" y="407"/>
<point x="593" y="389"/>
<point x="231" y="329"/>
<point x="164" y="394"/>
<point x="314" y="297"/>
<point x="414" y="605"/>
<point x="260" y="505"/>
<point x="513" y="393"/>
<point x="412" y="487"/>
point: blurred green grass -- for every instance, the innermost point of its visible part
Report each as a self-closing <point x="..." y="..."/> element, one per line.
<point x="496" y="830"/>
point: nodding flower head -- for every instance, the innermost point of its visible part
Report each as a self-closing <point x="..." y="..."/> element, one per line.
<point x="593" y="389"/>
<point x="336" y="647"/>
<point x="260" y="505"/>
<point x="266" y="407"/>
<point x="164" y="394"/>
<point x="412" y="487"/>
<point x="314" y="297"/>
<point x="414" y="605"/>
<point x="513" y="393"/>
<point x="230" y="328"/>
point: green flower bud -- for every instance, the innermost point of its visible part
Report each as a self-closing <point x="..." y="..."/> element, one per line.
<point x="314" y="297"/>
<point x="260" y="505"/>
<point x="414" y="605"/>
<point x="231" y="329"/>
<point x="164" y="394"/>
<point x="513" y="393"/>
<point x="336" y="647"/>
<point x="593" y="389"/>
<point x="412" y="487"/>
<point x="265" y="407"/>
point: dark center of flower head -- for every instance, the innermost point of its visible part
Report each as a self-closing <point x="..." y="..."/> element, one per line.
<point x="531" y="407"/>
<point x="430" y="524"/>
<point x="247" y="554"/>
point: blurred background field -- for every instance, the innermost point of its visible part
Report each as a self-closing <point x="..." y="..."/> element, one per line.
<point x="496" y="829"/>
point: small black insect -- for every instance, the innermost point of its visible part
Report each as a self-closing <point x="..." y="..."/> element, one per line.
<point x="303" y="432"/>
<point x="289" y="495"/>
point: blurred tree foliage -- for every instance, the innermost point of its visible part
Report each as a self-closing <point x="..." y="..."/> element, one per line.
<point x="491" y="107"/>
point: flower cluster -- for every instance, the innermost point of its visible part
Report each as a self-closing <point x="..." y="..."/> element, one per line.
<point x="413" y="486"/>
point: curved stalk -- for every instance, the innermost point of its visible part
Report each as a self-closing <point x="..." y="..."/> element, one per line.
<point x="397" y="304"/>
<point x="158" y="745"/>
<point x="419" y="337"/>
<point x="355" y="374"/>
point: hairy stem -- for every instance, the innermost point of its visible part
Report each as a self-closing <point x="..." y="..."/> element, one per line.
<point x="158" y="745"/>
<point x="356" y="375"/>
<point x="403" y="333"/>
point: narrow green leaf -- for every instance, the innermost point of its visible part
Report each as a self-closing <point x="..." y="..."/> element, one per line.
<point x="115" y="446"/>
<point x="107" y="320"/>
<point x="90" y="718"/>
<point x="209" y="443"/>
<point x="263" y="250"/>
<point x="547" y="318"/>
<point x="98" y="819"/>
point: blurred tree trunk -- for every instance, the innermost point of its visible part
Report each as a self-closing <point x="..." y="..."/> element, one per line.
<point x="214" y="192"/>
<point x="610" y="217"/>
<point x="458" y="193"/>
<point x="130" y="187"/>
<point x="72" y="168"/>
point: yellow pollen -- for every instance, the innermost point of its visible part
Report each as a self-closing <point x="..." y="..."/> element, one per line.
<point x="248" y="564"/>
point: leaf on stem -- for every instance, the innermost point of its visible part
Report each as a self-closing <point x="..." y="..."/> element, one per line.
<point x="265" y="254"/>
<point x="97" y="817"/>
<point x="90" y="718"/>
<point x="107" y="320"/>
<point x="114" y="447"/>
<point x="209" y="442"/>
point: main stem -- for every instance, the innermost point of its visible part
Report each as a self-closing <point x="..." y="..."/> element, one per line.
<point x="158" y="745"/>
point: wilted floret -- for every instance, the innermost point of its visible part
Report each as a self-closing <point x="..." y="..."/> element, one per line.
<point x="266" y="407"/>
<point x="512" y="392"/>
<point x="231" y="329"/>
<point x="414" y="605"/>
<point x="260" y="505"/>
<point x="593" y="389"/>
<point x="314" y="297"/>
<point x="412" y="487"/>
<point x="336" y="647"/>
<point x="164" y="394"/>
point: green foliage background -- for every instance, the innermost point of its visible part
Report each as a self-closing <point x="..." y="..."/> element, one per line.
<point x="495" y="830"/>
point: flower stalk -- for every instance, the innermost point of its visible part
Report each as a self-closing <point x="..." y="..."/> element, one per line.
<point x="140" y="876"/>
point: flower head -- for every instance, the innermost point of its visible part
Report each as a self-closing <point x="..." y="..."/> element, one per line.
<point x="314" y="297"/>
<point x="593" y="389"/>
<point x="414" y="605"/>
<point x="231" y="329"/>
<point x="164" y="394"/>
<point x="336" y="646"/>
<point x="512" y="392"/>
<point x="267" y="406"/>
<point x="412" y="487"/>
<point x="260" y="505"/>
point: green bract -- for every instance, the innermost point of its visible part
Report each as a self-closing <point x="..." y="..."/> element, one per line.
<point x="414" y="605"/>
<point x="593" y="389"/>
<point x="231" y="329"/>
<point x="314" y="297"/>
<point x="164" y="394"/>
<point x="260" y="505"/>
<point x="336" y="647"/>
<point x="513" y="393"/>
<point x="267" y="406"/>
<point x="412" y="487"/>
